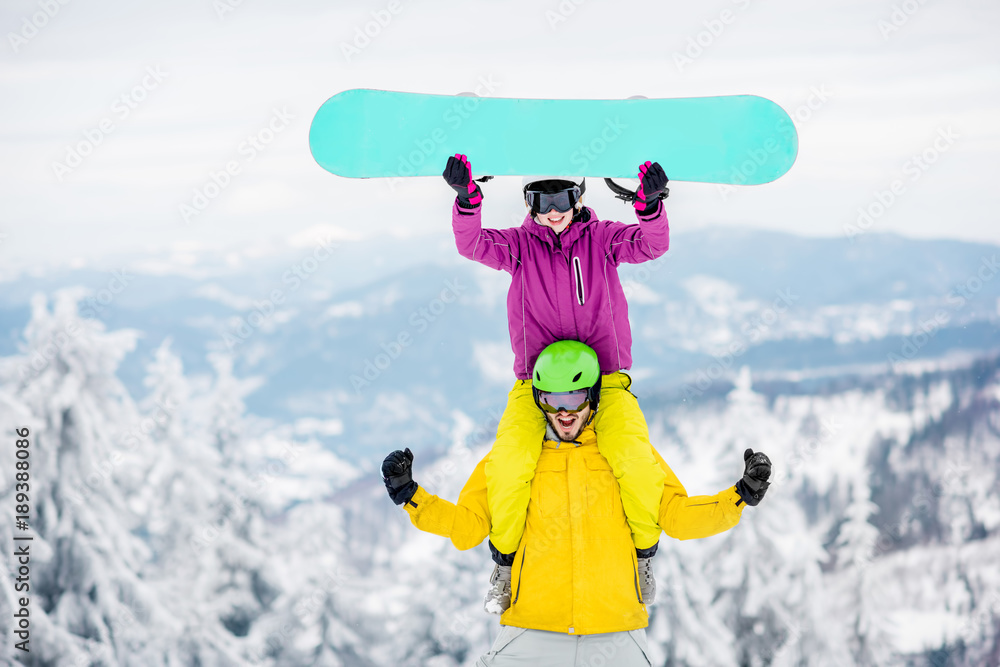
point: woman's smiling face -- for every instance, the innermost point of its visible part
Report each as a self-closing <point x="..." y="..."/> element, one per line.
<point x="557" y="220"/>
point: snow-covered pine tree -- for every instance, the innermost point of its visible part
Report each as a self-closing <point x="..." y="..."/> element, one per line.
<point x="143" y="549"/>
<point x="205" y="520"/>
<point x="88" y="605"/>
<point x="684" y="628"/>
<point x="858" y="545"/>
<point x="765" y="572"/>
<point x="15" y="416"/>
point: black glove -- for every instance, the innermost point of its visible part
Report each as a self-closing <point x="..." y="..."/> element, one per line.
<point x="754" y="484"/>
<point x="396" y="473"/>
<point x="458" y="174"/>
<point x="652" y="187"/>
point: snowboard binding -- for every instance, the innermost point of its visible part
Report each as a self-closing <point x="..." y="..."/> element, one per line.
<point x="629" y="196"/>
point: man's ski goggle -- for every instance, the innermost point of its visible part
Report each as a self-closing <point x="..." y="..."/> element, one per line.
<point x="543" y="202"/>
<point x="570" y="401"/>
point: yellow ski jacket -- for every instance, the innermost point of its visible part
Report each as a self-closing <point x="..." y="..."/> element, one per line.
<point x="575" y="569"/>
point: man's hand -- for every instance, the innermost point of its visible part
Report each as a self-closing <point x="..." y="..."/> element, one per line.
<point x="757" y="471"/>
<point x="397" y="474"/>
<point x="652" y="186"/>
<point x="458" y="174"/>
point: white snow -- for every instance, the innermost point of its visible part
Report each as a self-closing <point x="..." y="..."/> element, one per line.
<point x="214" y="536"/>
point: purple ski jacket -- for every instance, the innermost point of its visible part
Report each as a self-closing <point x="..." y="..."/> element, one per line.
<point x="566" y="286"/>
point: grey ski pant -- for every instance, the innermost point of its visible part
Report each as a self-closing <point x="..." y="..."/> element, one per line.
<point x="538" y="648"/>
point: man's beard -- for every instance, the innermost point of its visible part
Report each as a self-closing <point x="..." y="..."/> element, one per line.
<point x="554" y="423"/>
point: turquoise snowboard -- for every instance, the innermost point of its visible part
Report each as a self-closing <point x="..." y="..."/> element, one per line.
<point x="738" y="139"/>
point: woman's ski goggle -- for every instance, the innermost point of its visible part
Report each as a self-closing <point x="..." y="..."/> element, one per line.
<point x="570" y="401"/>
<point x="543" y="202"/>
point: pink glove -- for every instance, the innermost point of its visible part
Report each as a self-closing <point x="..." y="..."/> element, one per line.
<point x="458" y="174"/>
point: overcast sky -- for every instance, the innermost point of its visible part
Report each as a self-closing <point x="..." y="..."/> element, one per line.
<point x="160" y="95"/>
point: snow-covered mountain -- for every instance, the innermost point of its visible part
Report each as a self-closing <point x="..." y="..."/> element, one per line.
<point x="340" y="331"/>
<point x="196" y="504"/>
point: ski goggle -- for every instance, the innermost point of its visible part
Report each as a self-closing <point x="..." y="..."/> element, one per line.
<point x="570" y="401"/>
<point x="543" y="202"/>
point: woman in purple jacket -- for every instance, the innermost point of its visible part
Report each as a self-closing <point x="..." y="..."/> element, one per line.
<point x="563" y="263"/>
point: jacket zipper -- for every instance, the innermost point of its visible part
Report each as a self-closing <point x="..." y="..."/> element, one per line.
<point x="517" y="594"/>
<point x="635" y="577"/>
<point x="578" y="274"/>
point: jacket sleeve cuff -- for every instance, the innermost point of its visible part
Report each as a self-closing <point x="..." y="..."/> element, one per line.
<point x="464" y="207"/>
<point x="415" y="503"/>
<point x="651" y="211"/>
<point x="733" y="502"/>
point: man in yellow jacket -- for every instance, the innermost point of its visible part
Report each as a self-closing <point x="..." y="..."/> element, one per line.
<point x="575" y="588"/>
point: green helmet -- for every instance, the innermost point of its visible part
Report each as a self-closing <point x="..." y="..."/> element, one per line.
<point x="567" y="365"/>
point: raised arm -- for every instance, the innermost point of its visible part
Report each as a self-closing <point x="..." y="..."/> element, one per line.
<point x="496" y="248"/>
<point x="689" y="517"/>
<point x="651" y="237"/>
<point x="639" y="243"/>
